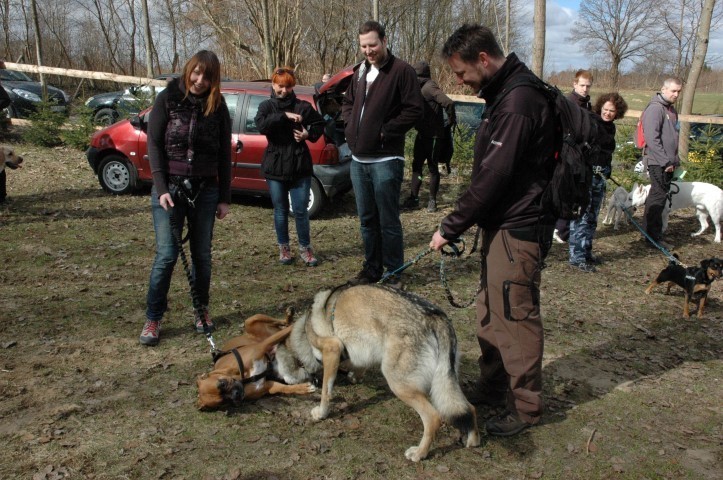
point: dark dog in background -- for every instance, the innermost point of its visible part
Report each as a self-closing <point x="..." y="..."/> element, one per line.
<point x="695" y="281"/>
<point x="9" y="159"/>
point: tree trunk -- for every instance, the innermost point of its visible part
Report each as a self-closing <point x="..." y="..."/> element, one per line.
<point x="508" y="12"/>
<point x="268" y="52"/>
<point x="39" y="48"/>
<point x="149" y="44"/>
<point x="375" y="10"/>
<point x="701" y="49"/>
<point x="538" y="43"/>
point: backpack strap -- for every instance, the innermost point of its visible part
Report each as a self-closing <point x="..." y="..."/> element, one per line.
<point x="519" y="80"/>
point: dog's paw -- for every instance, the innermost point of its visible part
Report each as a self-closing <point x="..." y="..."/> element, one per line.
<point x="472" y="439"/>
<point x="319" y="413"/>
<point x="310" y="388"/>
<point x="414" y="454"/>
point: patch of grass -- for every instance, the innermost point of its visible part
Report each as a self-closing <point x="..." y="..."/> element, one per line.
<point x="79" y="394"/>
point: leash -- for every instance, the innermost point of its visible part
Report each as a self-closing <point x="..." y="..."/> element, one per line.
<point x="665" y="252"/>
<point x="197" y="307"/>
<point x="419" y="256"/>
<point x="456" y="252"/>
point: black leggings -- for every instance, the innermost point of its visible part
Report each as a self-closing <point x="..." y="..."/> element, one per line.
<point x="430" y="150"/>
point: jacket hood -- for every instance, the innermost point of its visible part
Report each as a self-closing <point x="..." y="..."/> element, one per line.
<point x="422" y="69"/>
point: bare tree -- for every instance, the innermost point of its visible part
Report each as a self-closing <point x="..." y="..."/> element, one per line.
<point x="701" y="50"/>
<point x="624" y="29"/>
<point x="538" y="43"/>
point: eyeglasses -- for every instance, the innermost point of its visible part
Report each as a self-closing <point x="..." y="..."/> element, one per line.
<point x="281" y="71"/>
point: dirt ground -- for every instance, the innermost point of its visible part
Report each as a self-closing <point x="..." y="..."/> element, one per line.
<point x="632" y="389"/>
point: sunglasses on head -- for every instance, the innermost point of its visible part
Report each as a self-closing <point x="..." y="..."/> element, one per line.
<point x="281" y="71"/>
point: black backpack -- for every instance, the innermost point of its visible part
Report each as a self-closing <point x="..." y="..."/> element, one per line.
<point x="568" y="193"/>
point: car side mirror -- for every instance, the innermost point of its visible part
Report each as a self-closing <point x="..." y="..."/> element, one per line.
<point x="139" y="122"/>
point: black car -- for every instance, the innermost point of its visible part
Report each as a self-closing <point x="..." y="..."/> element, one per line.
<point x="108" y="108"/>
<point x="25" y="94"/>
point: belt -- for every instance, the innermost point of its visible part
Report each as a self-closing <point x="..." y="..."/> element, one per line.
<point x="533" y="233"/>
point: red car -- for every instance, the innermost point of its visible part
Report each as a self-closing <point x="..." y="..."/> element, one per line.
<point x="118" y="153"/>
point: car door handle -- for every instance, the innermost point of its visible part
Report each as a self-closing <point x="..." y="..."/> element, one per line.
<point x="239" y="146"/>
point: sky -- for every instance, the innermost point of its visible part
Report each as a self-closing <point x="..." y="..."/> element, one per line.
<point x="561" y="54"/>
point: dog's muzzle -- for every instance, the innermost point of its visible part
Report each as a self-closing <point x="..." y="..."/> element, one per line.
<point x="232" y="392"/>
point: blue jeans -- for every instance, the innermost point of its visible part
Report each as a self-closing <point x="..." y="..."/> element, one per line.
<point x="377" y="187"/>
<point x="582" y="230"/>
<point x="200" y="225"/>
<point x="299" y="192"/>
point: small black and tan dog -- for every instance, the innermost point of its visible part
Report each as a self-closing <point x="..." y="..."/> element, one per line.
<point x="695" y="281"/>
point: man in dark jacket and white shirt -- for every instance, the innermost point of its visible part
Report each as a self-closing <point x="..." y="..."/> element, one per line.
<point x="382" y="103"/>
<point x="513" y="164"/>
<point x="660" y="129"/>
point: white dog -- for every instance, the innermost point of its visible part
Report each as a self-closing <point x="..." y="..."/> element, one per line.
<point x="705" y="197"/>
<point x="619" y="200"/>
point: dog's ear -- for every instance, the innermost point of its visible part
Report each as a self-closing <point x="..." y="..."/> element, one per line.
<point x="704" y="264"/>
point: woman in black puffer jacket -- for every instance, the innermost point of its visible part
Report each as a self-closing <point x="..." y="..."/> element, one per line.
<point x="189" y="149"/>
<point x="287" y="123"/>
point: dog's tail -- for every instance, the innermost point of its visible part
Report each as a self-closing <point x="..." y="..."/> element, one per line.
<point x="446" y="394"/>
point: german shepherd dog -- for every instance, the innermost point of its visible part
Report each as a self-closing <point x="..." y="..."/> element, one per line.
<point x="412" y="340"/>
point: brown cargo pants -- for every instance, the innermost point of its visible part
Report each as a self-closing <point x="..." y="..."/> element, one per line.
<point x="509" y="327"/>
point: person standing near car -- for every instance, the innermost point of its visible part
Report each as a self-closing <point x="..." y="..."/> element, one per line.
<point x="580" y="96"/>
<point x="432" y="141"/>
<point x="660" y="129"/>
<point x="4" y="102"/>
<point x="382" y="103"/>
<point x="610" y="107"/>
<point x="189" y="149"/>
<point x="513" y="164"/>
<point x="288" y="122"/>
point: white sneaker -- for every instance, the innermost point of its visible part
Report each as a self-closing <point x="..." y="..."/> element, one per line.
<point x="556" y="237"/>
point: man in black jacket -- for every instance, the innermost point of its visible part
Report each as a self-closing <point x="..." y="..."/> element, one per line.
<point x="513" y="163"/>
<point x="382" y="103"/>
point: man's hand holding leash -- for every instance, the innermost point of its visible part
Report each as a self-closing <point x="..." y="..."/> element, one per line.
<point x="438" y="241"/>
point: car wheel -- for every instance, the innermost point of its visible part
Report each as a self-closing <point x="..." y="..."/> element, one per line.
<point x="317" y="199"/>
<point x="117" y="175"/>
<point x="105" y="117"/>
<point x="10" y="111"/>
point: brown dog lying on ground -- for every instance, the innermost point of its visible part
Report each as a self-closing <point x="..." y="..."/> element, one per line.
<point x="695" y="281"/>
<point x="249" y="368"/>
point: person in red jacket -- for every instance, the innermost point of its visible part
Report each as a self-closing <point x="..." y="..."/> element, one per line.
<point x="513" y="164"/>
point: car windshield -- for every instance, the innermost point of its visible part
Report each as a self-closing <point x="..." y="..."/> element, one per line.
<point x="13" y="76"/>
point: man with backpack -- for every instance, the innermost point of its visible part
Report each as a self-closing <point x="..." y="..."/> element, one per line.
<point x="660" y="154"/>
<point x="513" y="164"/>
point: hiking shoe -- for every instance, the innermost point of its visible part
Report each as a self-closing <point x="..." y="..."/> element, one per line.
<point x="556" y="236"/>
<point x="394" y="281"/>
<point x="410" y="203"/>
<point x="432" y="206"/>
<point x="199" y="322"/>
<point x="285" y="254"/>
<point x="307" y="256"/>
<point x="665" y="245"/>
<point x="151" y="333"/>
<point x="585" y="267"/>
<point x="505" y="425"/>
<point x="363" y="278"/>
<point x="594" y="260"/>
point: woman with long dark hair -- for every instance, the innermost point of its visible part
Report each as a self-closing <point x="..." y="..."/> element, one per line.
<point x="189" y="149"/>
